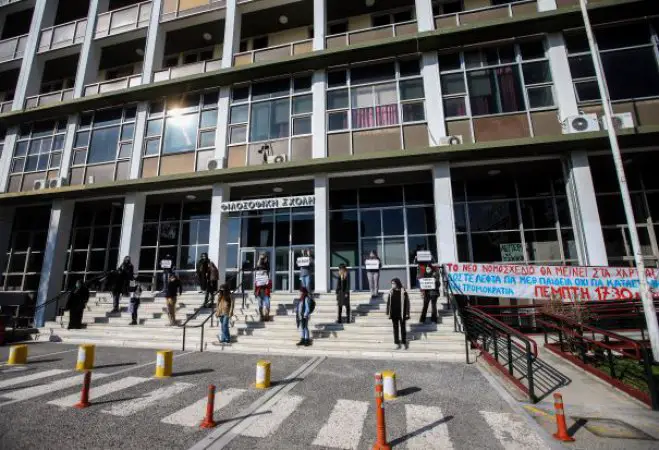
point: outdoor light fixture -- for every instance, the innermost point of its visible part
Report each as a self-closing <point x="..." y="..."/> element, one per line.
<point x="283" y="19"/>
<point x="207" y="36"/>
<point x="277" y="190"/>
<point x="379" y="181"/>
<point x="493" y="172"/>
<point x="370" y="3"/>
<point x="190" y="197"/>
<point x="139" y="51"/>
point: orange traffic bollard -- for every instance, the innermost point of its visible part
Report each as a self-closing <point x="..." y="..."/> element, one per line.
<point x="210" y="407"/>
<point x="561" y="433"/>
<point x="84" y="394"/>
<point x="381" y="443"/>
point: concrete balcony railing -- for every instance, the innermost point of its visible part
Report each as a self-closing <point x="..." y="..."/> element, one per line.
<point x="488" y="13"/>
<point x="62" y="35"/>
<point x="187" y="69"/>
<point x="273" y="53"/>
<point x="173" y="9"/>
<point x="8" y="2"/>
<point x="371" y="34"/>
<point x="6" y="106"/>
<point x="113" y="85"/>
<point x="48" y="98"/>
<point x="12" y="48"/>
<point x="123" y="19"/>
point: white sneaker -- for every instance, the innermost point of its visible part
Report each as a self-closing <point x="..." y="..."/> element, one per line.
<point x="397" y="346"/>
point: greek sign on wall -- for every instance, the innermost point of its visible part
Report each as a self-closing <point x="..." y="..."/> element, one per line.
<point x="269" y="203"/>
<point x="568" y="282"/>
<point x="512" y="252"/>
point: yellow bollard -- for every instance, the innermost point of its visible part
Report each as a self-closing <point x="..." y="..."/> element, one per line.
<point x="85" y="357"/>
<point x="17" y="355"/>
<point x="263" y="374"/>
<point x="164" y="363"/>
<point x="389" y="382"/>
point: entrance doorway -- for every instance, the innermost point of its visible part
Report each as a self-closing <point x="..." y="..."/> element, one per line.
<point x="249" y="257"/>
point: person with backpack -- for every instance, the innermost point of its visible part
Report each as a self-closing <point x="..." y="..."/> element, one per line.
<point x="343" y="293"/>
<point x="304" y="306"/>
<point x="76" y="304"/>
<point x="398" y="310"/>
<point x="174" y="289"/>
<point x="135" y="302"/>
<point x="224" y="312"/>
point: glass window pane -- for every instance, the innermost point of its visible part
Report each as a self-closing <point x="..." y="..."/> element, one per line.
<point x="260" y="123"/>
<point x="302" y="104"/>
<point x="210" y="98"/>
<point x="31" y="163"/>
<point x="100" y="239"/>
<point x="301" y="125"/>
<point x="78" y="261"/>
<point x="369" y="245"/>
<point x="209" y="118"/>
<point x="82" y="139"/>
<point x="270" y="89"/>
<point x="103" y="145"/>
<point x="336" y="78"/>
<point x="279" y="119"/>
<point x="238" y="134"/>
<point x="180" y="134"/>
<point x="372" y="73"/>
<point x="238" y="114"/>
<point x="58" y="142"/>
<point x="35" y="262"/>
<point x="631" y="73"/>
<point x="337" y="99"/>
<point x="394" y="251"/>
<point x="232" y="256"/>
<point x="409" y="67"/>
<point x="21" y="148"/>
<point x="107" y="117"/>
<point x="587" y="91"/>
<point x="96" y="261"/>
<point x="126" y="150"/>
<point x="536" y="72"/>
<point x="487" y="246"/>
<point x="411" y="89"/>
<point x="382" y="196"/>
<point x="532" y="49"/>
<point x="497" y="215"/>
<point x="257" y="231"/>
<point x="449" y="61"/>
<point x="416" y="243"/>
<point x="43" y="162"/>
<point x="301" y="84"/>
<point x="455" y="107"/>
<point x="337" y="120"/>
<point x="495" y="91"/>
<point x="393" y="222"/>
<point x="371" y="223"/>
<point x="17" y="263"/>
<point x="540" y="97"/>
<point x="55" y="160"/>
<point x="147" y="259"/>
<point x="207" y="139"/>
<point x="420" y="220"/>
<point x="413" y="112"/>
<point x="581" y="66"/>
<point x="127" y="132"/>
<point x="343" y="199"/>
<point x="152" y="147"/>
<point x="302" y="232"/>
<point x="538" y="213"/>
<point x="543" y="245"/>
<point x="154" y="128"/>
<point x="453" y="84"/>
<point x="169" y="233"/>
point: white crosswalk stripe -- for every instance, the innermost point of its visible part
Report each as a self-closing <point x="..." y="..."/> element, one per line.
<point x="266" y="420"/>
<point x="343" y="429"/>
<point x="192" y="415"/>
<point x="37" y="391"/>
<point x="32" y="377"/>
<point x="427" y="428"/>
<point x="130" y="407"/>
<point x="99" y="391"/>
<point x="512" y="434"/>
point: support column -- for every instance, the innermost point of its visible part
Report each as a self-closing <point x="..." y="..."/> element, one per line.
<point x="319" y="24"/>
<point x="90" y="51"/>
<point x="6" y="223"/>
<point x="433" y="91"/>
<point x="219" y="229"/>
<point x="222" y="130"/>
<point x="232" y="25"/>
<point x="5" y="157"/>
<point x="52" y="270"/>
<point x="154" y="51"/>
<point x="584" y="212"/>
<point x="424" y="18"/>
<point x="447" y="249"/>
<point x="318" y="124"/>
<point x="321" y="233"/>
<point x="69" y="140"/>
<point x="138" y="141"/>
<point x="560" y="73"/>
<point x="131" y="228"/>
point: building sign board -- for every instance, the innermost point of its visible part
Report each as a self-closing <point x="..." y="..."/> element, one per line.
<point x="512" y="252"/>
<point x="269" y="203"/>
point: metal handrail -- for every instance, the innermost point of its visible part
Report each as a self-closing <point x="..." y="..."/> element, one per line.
<point x="178" y="12"/>
<point x="529" y="343"/>
<point x="508" y="6"/>
<point x="393" y="27"/>
<point x="290" y="45"/>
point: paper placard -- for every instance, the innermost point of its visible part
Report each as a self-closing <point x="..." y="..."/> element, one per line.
<point x="427" y="283"/>
<point x="423" y="256"/>
<point x="261" y="278"/>
<point x="166" y="263"/>
<point x="372" y="264"/>
<point x="303" y="261"/>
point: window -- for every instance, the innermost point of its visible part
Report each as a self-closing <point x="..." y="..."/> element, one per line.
<point x="119" y="72"/>
<point x="496" y="80"/>
<point x="190" y="57"/>
<point x="447" y="7"/>
<point x="337" y="27"/>
<point x="268" y="110"/>
<point x="375" y="95"/>
<point x="39" y="146"/>
<point x="406" y="15"/>
<point x="104" y="136"/>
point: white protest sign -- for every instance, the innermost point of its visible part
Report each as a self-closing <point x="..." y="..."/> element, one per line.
<point x="261" y="278"/>
<point x="372" y="264"/>
<point x="303" y="261"/>
<point x="427" y="283"/>
<point x="166" y="263"/>
<point x="423" y="256"/>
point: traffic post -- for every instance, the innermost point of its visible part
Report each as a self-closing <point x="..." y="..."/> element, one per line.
<point x="381" y="443"/>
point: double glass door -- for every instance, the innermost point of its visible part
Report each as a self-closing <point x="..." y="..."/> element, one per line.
<point x="283" y="267"/>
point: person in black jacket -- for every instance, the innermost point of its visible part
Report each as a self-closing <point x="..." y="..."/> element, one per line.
<point x="343" y="292"/>
<point x="430" y="296"/>
<point x="174" y="289"/>
<point x="78" y="299"/>
<point x="398" y="310"/>
<point x="203" y="271"/>
<point x="121" y="282"/>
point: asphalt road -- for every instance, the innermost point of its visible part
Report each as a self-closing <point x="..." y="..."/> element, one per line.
<point x="313" y="403"/>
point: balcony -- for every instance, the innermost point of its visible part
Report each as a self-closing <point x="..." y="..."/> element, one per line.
<point x="273" y="53"/>
<point x="5" y="106"/>
<point x="173" y="9"/>
<point x="116" y="84"/>
<point x="12" y="48"/>
<point x="8" y="2"/>
<point x="371" y="34"/>
<point x="123" y="19"/>
<point x="48" y="98"/>
<point x="187" y="69"/>
<point x="62" y="35"/>
<point x="474" y="16"/>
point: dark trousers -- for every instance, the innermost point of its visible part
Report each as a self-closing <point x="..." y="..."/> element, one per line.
<point x="399" y="324"/>
<point x="134" y="306"/>
<point x="429" y="297"/>
<point x="116" y="296"/>
<point x="75" y="317"/>
<point x="211" y="287"/>
<point x="341" y="303"/>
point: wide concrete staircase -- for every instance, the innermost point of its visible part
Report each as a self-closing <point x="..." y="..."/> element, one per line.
<point x="369" y="335"/>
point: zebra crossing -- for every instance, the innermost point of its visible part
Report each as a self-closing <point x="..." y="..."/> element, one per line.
<point x="427" y="426"/>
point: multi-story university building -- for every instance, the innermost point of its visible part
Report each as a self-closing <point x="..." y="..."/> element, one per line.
<point x="471" y="128"/>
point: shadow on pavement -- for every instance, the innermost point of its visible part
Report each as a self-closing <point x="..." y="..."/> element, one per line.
<point x="421" y="430"/>
<point x="408" y="391"/>
<point x="107" y="366"/>
<point x="192" y="372"/>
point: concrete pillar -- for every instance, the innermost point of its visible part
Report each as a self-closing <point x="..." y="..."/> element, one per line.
<point x="447" y="248"/>
<point x="154" y="51"/>
<point x="232" y="25"/>
<point x="29" y="77"/>
<point x="318" y="124"/>
<point x="90" y="51"/>
<point x="546" y="5"/>
<point x="69" y="140"/>
<point x="424" y="18"/>
<point x="560" y="72"/>
<point x="319" y="24"/>
<point x="5" y="157"/>
<point x="584" y="212"/>
<point x="54" y="259"/>
<point x="138" y="141"/>
<point x="222" y="130"/>
<point x="321" y="233"/>
<point x="131" y="228"/>
<point x="219" y="229"/>
<point x="433" y="91"/>
<point x="6" y="223"/>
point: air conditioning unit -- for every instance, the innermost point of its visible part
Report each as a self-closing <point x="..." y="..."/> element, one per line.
<point x="583" y="123"/>
<point x="39" y="185"/>
<point x="623" y="120"/>
<point x="58" y="182"/>
<point x="213" y="164"/>
<point x="274" y="159"/>
<point x="450" y="140"/>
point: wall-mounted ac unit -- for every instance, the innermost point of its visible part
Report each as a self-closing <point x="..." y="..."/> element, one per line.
<point x="213" y="164"/>
<point x="583" y="123"/>
<point x="275" y="159"/>
<point x="450" y="140"/>
<point x="58" y="182"/>
<point x="622" y="120"/>
<point x="39" y="184"/>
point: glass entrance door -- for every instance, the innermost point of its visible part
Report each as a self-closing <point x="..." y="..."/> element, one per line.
<point x="249" y="258"/>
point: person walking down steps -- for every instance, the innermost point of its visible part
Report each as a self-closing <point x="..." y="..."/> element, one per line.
<point x="174" y="289"/>
<point x="76" y="305"/>
<point x="303" y="309"/>
<point x="398" y="310"/>
<point x="343" y="293"/>
<point x="224" y="312"/>
<point x="135" y="302"/>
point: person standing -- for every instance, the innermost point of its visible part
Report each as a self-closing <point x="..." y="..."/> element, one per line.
<point x="202" y="272"/>
<point x="398" y="310"/>
<point x="430" y="296"/>
<point x="76" y="304"/>
<point x="262" y="291"/>
<point x="167" y="267"/>
<point x="302" y="313"/>
<point x="224" y="312"/>
<point x="306" y="270"/>
<point x="211" y="286"/>
<point x="135" y="302"/>
<point x="343" y="293"/>
<point x="123" y="277"/>
<point x="174" y="289"/>
<point x="263" y="264"/>
<point x="373" y="266"/>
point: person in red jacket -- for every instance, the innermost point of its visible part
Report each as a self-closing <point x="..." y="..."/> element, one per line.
<point x="262" y="290"/>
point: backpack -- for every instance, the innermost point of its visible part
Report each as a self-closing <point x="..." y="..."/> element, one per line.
<point x="312" y="304"/>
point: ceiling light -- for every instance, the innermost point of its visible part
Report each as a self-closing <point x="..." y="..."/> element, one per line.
<point x="370" y="3"/>
<point x="379" y="181"/>
<point x="283" y="19"/>
<point x="207" y="36"/>
<point x="493" y="172"/>
<point x="116" y="203"/>
<point x="139" y="51"/>
<point x="277" y="189"/>
<point x="191" y="197"/>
